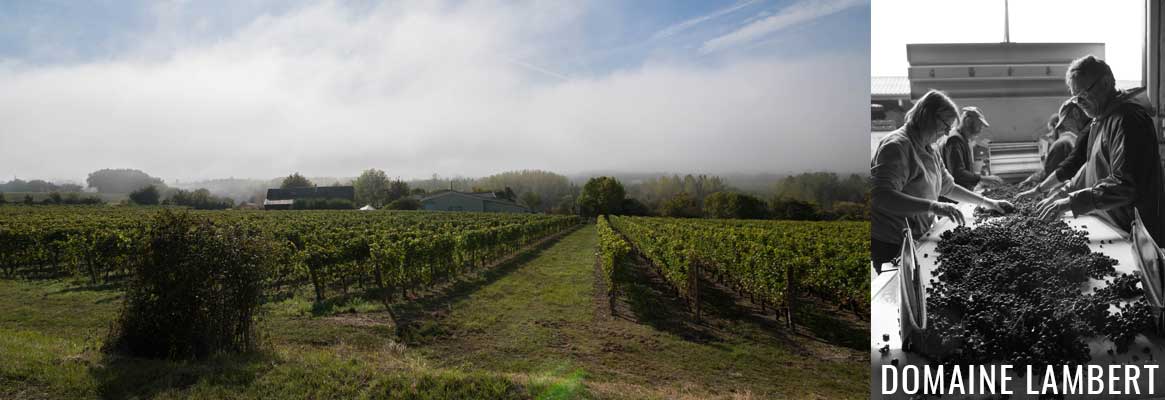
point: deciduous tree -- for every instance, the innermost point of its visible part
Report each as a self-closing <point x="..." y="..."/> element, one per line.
<point x="296" y="181"/>
<point x="601" y="195"/>
<point x="372" y="188"/>
<point x="147" y="196"/>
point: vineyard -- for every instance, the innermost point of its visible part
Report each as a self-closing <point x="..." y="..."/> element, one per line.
<point x="332" y="251"/>
<point x="613" y="249"/>
<point x="770" y="261"/>
<point x="404" y="304"/>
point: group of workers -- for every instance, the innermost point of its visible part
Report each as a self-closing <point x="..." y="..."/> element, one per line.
<point x="1103" y="161"/>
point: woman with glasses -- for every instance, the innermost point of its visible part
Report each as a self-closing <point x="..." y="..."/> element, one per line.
<point x="908" y="177"/>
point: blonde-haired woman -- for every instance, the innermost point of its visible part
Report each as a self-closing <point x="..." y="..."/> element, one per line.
<point x="908" y="177"/>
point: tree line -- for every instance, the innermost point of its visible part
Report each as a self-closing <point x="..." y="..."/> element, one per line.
<point x="607" y="196"/>
<point x="806" y="196"/>
<point x="38" y="186"/>
<point x="198" y="199"/>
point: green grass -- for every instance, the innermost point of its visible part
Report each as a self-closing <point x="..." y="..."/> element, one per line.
<point x="529" y="329"/>
<point x="51" y="334"/>
<point x="541" y="319"/>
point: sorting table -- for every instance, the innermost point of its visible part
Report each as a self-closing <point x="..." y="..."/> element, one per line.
<point x="884" y="312"/>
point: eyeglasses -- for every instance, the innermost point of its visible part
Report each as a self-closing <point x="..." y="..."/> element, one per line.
<point x="1076" y="97"/>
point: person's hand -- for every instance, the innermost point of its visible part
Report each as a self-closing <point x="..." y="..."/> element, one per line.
<point x="1033" y="192"/>
<point x="1052" y="196"/>
<point x="990" y="180"/>
<point x="1052" y="208"/>
<point x="948" y="210"/>
<point x="999" y="206"/>
<point x="1032" y="180"/>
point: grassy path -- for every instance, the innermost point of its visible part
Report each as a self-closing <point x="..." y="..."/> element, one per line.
<point x="529" y="321"/>
<point x="542" y="319"/>
<point x="531" y="328"/>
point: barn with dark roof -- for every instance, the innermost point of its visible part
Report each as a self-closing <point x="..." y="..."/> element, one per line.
<point x="282" y="199"/>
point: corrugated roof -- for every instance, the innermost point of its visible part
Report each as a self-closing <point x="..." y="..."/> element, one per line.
<point x="899" y="86"/>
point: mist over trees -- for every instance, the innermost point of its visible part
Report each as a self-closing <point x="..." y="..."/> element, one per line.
<point x="823" y="188"/>
<point x="555" y="192"/>
<point x="655" y="192"/>
<point x="248" y="190"/>
<point x="549" y="190"/>
<point x="436" y="183"/>
<point x="121" y="180"/>
<point x="797" y="197"/>
<point x="38" y="186"/>
<point x="805" y="196"/>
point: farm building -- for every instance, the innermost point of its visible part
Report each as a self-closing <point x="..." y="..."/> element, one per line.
<point x="282" y="199"/>
<point x="477" y="201"/>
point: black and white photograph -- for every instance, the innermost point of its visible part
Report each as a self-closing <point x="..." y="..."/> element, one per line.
<point x="1017" y="199"/>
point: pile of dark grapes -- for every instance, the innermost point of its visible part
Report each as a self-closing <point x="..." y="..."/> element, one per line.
<point x="1135" y="318"/>
<point x="1011" y="291"/>
<point x="1023" y="207"/>
<point x="1123" y="287"/>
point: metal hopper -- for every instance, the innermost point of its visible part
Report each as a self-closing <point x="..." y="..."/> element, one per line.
<point x="1150" y="261"/>
<point x="912" y="304"/>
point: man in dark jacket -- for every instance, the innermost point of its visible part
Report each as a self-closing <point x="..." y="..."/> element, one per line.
<point x="956" y="150"/>
<point x="1122" y="173"/>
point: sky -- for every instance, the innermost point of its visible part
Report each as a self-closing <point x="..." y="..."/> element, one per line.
<point x="1119" y="24"/>
<point x="253" y="88"/>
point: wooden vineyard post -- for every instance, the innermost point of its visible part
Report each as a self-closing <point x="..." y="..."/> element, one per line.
<point x="694" y="288"/>
<point x="790" y="294"/>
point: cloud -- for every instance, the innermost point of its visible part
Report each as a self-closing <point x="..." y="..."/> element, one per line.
<point x="416" y="89"/>
<point x="688" y="24"/>
<point x="802" y="11"/>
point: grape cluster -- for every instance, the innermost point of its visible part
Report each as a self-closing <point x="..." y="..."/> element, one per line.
<point x="1010" y="291"/>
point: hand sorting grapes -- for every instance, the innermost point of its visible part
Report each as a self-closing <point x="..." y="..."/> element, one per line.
<point x="1009" y="291"/>
<point x="909" y="175"/>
